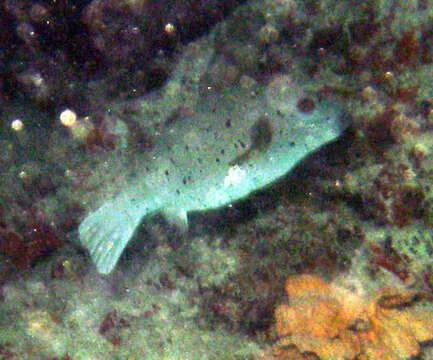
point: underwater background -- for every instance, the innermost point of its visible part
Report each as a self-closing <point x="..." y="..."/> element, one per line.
<point x="332" y="261"/>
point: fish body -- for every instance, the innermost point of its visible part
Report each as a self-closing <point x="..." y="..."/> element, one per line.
<point x="234" y="144"/>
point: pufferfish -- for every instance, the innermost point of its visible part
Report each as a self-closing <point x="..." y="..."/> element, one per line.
<point x="233" y="144"/>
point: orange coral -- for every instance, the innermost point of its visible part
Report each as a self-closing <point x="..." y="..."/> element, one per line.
<point x="335" y="323"/>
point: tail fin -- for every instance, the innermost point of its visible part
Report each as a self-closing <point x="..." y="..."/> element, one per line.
<point x="106" y="231"/>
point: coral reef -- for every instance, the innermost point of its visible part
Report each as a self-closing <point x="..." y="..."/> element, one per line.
<point x="35" y="240"/>
<point x="334" y="322"/>
<point x="212" y="294"/>
<point x="153" y="312"/>
<point x="51" y="50"/>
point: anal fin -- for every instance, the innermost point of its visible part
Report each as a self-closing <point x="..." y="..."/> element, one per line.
<point x="177" y="218"/>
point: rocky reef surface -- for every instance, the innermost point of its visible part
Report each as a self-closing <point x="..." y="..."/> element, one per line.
<point x="86" y="87"/>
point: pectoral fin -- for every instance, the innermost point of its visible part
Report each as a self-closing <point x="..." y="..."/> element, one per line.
<point x="177" y="218"/>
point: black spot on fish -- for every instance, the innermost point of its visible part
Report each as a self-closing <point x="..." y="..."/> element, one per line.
<point x="184" y="181"/>
<point x="261" y="137"/>
<point x="222" y="151"/>
<point x="166" y="173"/>
<point x="261" y="134"/>
<point x="173" y="117"/>
<point x="228" y="123"/>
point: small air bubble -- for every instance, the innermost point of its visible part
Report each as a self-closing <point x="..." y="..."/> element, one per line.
<point x="17" y="125"/>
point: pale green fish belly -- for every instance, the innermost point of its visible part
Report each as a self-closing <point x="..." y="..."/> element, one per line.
<point x="234" y="144"/>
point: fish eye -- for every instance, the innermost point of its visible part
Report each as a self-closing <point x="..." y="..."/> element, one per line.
<point x="306" y="105"/>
